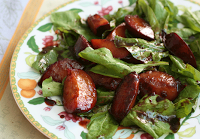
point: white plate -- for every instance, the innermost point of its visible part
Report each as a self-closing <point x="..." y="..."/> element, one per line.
<point x="49" y="119"/>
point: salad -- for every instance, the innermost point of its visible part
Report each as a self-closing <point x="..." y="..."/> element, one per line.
<point x="131" y="57"/>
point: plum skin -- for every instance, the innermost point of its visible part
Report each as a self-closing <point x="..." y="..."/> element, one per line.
<point x="159" y="83"/>
<point x="125" y="96"/>
<point x="79" y="92"/>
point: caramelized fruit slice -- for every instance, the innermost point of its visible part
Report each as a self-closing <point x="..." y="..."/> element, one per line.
<point x="58" y="70"/>
<point x="80" y="45"/>
<point x="116" y="52"/>
<point x="177" y="46"/>
<point x="98" y="24"/>
<point x="125" y="96"/>
<point x="119" y="31"/>
<point x="79" y="92"/>
<point x="159" y="83"/>
<point x="104" y="81"/>
<point x="138" y="27"/>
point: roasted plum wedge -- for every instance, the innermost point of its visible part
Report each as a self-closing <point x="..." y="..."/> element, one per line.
<point x="138" y="27"/>
<point x="79" y="92"/>
<point x="125" y="96"/>
<point x="79" y="46"/>
<point x="159" y="83"/>
<point x="106" y="82"/>
<point x="98" y="24"/>
<point x="178" y="47"/>
<point x="119" y="31"/>
<point x="109" y="44"/>
<point x="58" y="70"/>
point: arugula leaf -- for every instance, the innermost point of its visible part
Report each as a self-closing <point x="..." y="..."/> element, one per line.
<point x="150" y="16"/>
<point x="118" y="16"/>
<point x="104" y="97"/>
<point x="101" y="125"/>
<point x="172" y="11"/>
<point x="44" y="60"/>
<point x="183" y="108"/>
<point x="154" y="115"/>
<point x="184" y="33"/>
<point x="197" y="14"/>
<point x="187" y="75"/>
<point x="195" y="47"/>
<point x="160" y="12"/>
<point x="170" y="136"/>
<point x="69" y="37"/>
<point x="115" y="67"/>
<point x="189" y="19"/>
<point x="131" y="2"/>
<point x="142" y="49"/>
<point x="51" y="88"/>
<point x="48" y="56"/>
<point x="190" y="91"/>
<point x="184" y="69"/>
<point x="95" y="110"/>
<point x="70" y="20"/>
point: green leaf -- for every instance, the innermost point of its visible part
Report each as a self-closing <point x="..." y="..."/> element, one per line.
<point x="190" y="91"/>
<point x="83" y="135"/>
<point x="170" y="136"/>
<point x="189" y="19"/>
<point x="45" y="27"/>
<point x="76" y="10"/>
<point x="195" y="47"/>
<point x="32" y="44"/>
<point x="150" y="16"/>
<point x="95" y="110"/>
<point x="101" y="124"/>
<point x="142" y="49"/>
<point x="114" y="66"/>
<point x="118" y="16"/>
<point x="183" y="108"/>
<point x="51" y="88"/>
<point x="184" y="69"/>
<point x="44" y="60"/>
<point x="151" y="111"/>
<point x="70" y="20"/>
<point x="104" y="97"/>
<point x="184" y="33"/>
<point x="131" y="2"/>
<point x="36" y="101"/>
<point x="160" y="12"/>
<point x="69" y="37"/>
<point x="48" y="56"/>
